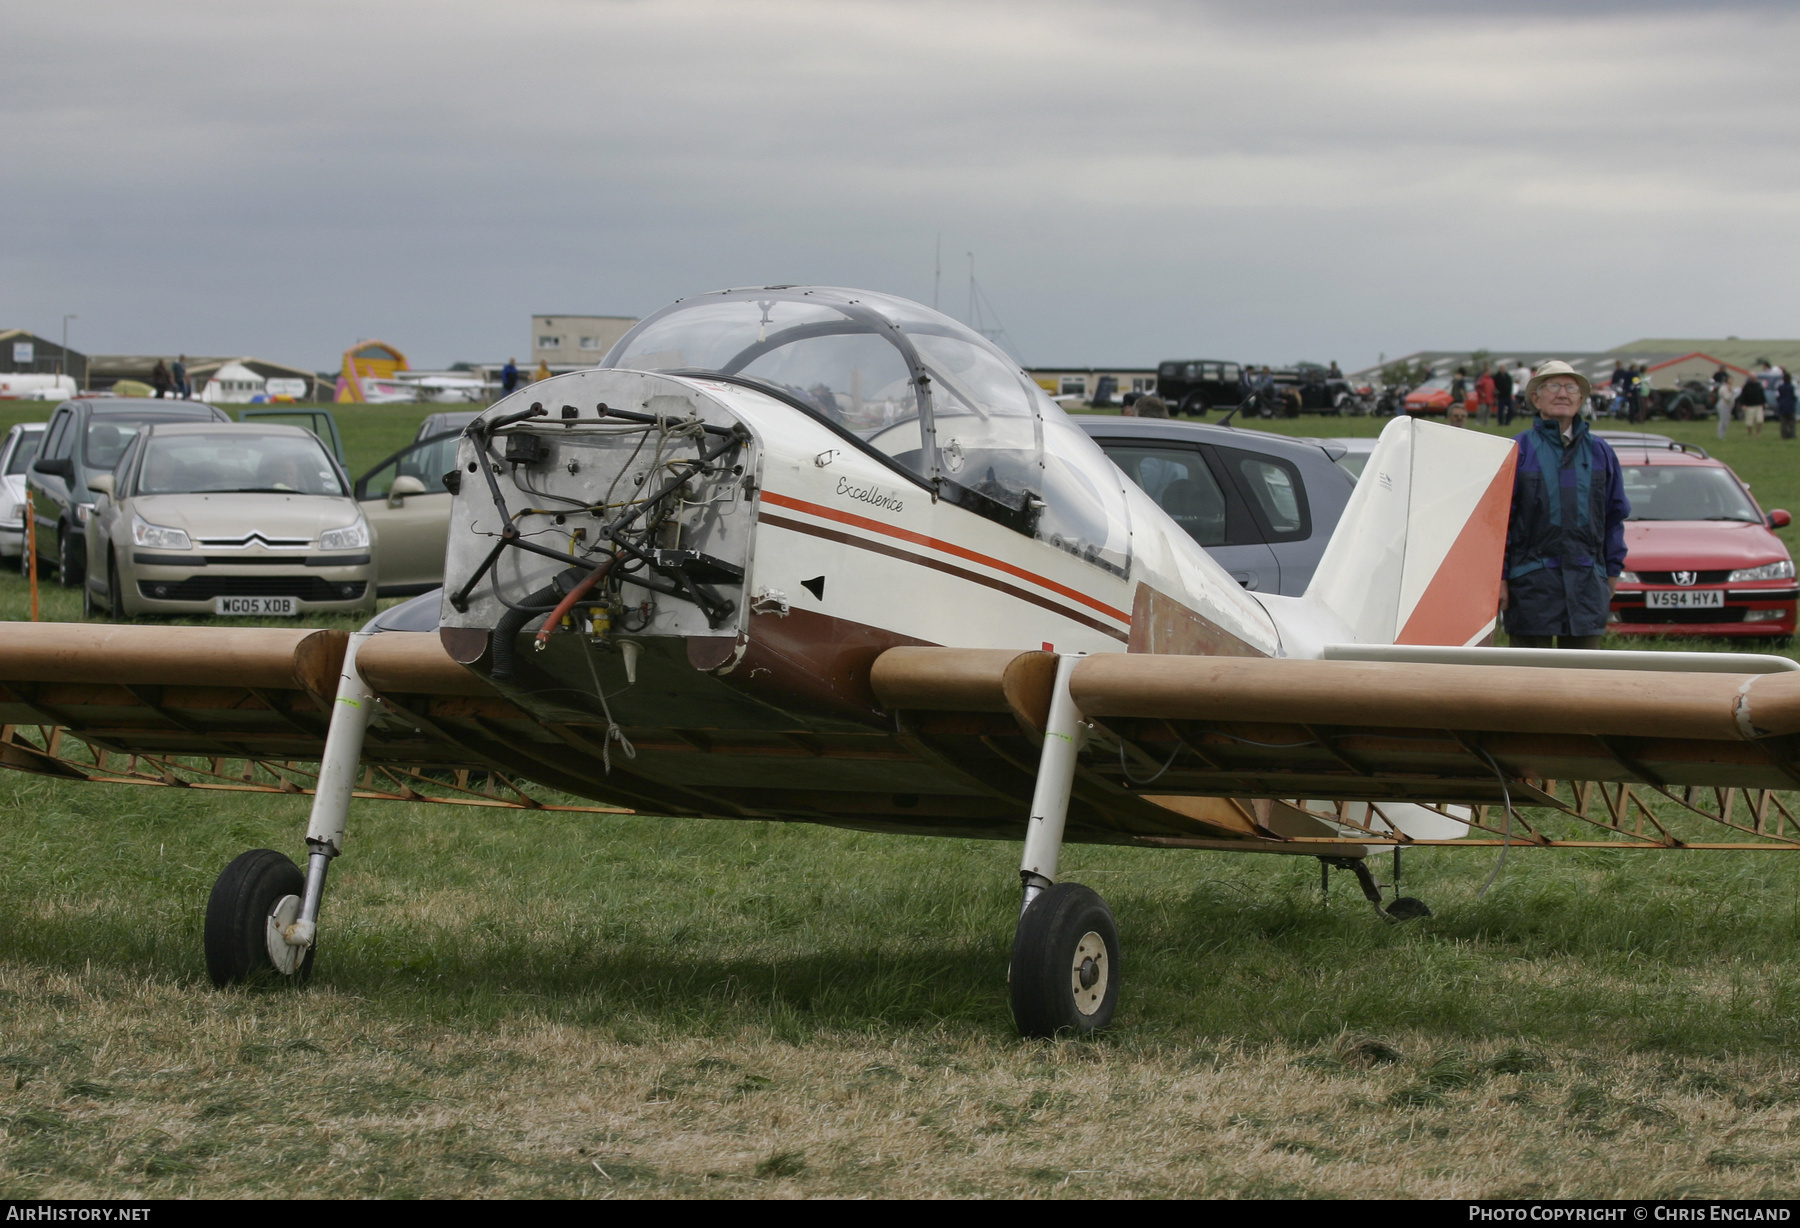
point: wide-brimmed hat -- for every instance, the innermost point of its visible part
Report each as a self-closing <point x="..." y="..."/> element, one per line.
<point x="1557" y="367"/>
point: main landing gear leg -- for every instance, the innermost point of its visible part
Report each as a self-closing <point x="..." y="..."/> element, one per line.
<point x="263" y="917"/>
<point x="1065" y="957"/>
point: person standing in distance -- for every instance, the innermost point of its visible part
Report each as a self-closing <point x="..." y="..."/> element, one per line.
<point x="1752" y="401"/>
<point x="1785" y="404"/>
<point x="509" y="377"/>
<point x="1484" y="397"/>
<point x="1724" y="397"/>
<point x="1565" y="537"/>
<point x="1503" y="395"/>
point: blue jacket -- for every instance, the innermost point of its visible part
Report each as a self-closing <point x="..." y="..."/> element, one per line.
<point x="1566" y="533"/>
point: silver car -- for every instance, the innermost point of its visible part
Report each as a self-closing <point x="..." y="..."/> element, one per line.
<point x="15" y="455"/>
<point x="1262" y="504"/>
<point x="227" y="519"/>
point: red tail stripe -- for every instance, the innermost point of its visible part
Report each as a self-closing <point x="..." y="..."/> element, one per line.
<point x="1464" y="592"/>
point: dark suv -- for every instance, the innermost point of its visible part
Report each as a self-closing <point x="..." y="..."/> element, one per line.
<point x="1195" y="385"/>
<point x="84" y="440"/>
<point x="1262" y="505"/>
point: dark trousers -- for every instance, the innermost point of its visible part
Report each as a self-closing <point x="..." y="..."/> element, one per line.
<point x="1787" y="426"/>
<point x="1554" y="641"/>
<point x="1505" y="406"/>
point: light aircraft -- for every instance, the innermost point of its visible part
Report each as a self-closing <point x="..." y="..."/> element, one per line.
<point x="827" y="556"/>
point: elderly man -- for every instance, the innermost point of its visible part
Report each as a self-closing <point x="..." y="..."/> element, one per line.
<point x="1565" y="541"/>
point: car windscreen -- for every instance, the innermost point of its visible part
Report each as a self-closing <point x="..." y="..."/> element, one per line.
<point x="1684" y="492"/>
<point x="108" y="437"/>
<point x="216" y="463"/>
<point x="24" y="453"/>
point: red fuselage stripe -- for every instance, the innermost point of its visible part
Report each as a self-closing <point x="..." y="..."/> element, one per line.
<point x="920" y="539"/>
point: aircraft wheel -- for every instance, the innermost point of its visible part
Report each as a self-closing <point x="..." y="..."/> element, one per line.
<point x="1407" y="908"/>
<point x="1065" y="963"/>
<point x="256" y="895"/>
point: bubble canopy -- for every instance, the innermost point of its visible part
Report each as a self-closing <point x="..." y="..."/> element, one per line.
<point x="930" y="398"/>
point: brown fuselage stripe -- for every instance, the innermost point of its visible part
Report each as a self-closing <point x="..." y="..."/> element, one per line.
<point x="907" y="556"/>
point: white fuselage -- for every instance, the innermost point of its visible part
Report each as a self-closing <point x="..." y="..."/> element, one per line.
<point x="891" y="557"/>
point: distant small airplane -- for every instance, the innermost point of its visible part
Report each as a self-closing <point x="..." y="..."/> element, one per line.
<point x="828" y="556"/>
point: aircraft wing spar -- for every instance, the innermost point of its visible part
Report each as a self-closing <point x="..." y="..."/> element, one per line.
<point x="1195" y="751"/>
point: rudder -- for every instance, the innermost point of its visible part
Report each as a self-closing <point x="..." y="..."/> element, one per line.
<point x="1417" y="557"/>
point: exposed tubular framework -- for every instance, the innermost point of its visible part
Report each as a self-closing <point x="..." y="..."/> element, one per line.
<point x="629" y="559"/>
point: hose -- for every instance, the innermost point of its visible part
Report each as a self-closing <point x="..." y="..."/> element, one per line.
<point x="575" y="594"/>
<point x="511" y="623"/>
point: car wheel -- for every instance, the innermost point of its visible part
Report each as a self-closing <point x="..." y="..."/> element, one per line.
<point x="43" y="568"/>
<point x="115" y="594"/>
<point x="68" y="572"/>
<point x="1194" y="405"/>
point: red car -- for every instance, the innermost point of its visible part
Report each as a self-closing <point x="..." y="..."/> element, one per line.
<point x="1699" y="556"/>
<point x="1433" y="397"/>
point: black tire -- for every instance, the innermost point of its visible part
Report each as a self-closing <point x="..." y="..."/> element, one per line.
<point x="68" y="573"/>
<point x="1408" y="908"/>
<point x="43" y="568"/>
<point x="115" y="596"/>
<point x="237" y="916"/>
<point x="1065" y="938"/>
<point x="1193" y="405"/>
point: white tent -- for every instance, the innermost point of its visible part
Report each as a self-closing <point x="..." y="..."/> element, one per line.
<point x="232" y="384"/>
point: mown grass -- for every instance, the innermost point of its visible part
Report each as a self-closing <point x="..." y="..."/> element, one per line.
<point x="558" y="1005"/>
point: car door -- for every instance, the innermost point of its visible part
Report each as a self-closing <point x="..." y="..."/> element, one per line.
<point x="1199" y="497"/>
<point x="50" y="491"/>
<point x="411" y="523"/>
<point x="1275" y="493"/>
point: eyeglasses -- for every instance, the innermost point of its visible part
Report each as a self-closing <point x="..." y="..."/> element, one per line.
<point x="1560" y="388"/>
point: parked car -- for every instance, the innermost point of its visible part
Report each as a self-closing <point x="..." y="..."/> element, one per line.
<point x="321" y="422"/>
<point x="1700" y="556"/>
<point x="450" y="420"/>
<point x="1194" y="385"/>
<point x="1263" y="505"/>
<point x="86" y="438"/>
<point x="406" y="500"/>
<point x="1687" y="400"/>
<point x="227" y="519"/>
<point x="16" y="455"/>
<point x="1351" y="455"/>
<point x="1433" y="396"/>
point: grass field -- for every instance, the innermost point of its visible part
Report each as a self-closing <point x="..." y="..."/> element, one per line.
<point x="534" y="1004"/>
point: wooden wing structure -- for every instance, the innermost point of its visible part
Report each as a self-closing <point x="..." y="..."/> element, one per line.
<point x="1229" y="753"/>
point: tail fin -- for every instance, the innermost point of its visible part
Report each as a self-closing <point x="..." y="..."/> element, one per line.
<point x="1416" y="558"/>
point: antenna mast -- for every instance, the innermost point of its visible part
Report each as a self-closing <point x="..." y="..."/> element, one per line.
<point x="937" y="271"/>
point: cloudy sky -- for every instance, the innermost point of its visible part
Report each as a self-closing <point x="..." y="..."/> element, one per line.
<point x="1136" y="180"/>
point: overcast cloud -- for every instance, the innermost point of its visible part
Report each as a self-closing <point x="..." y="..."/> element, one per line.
<point x="1137" y="181"/>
